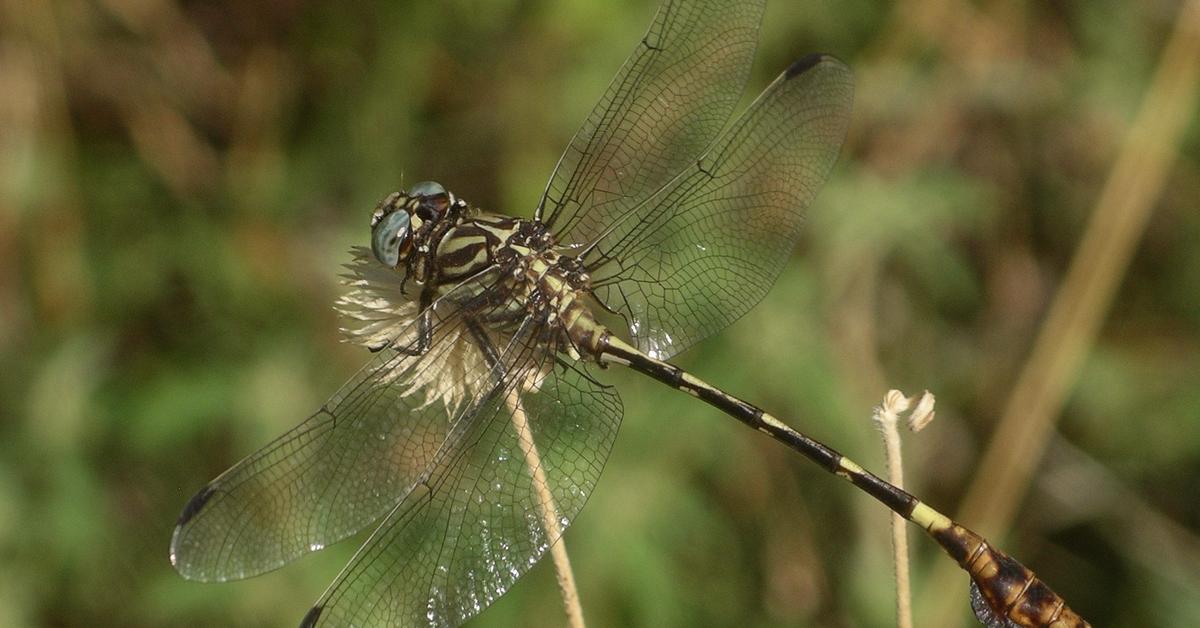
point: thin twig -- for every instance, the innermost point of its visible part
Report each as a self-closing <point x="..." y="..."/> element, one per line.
<point x="885" y="417"/>
<point x="549" y="511"/>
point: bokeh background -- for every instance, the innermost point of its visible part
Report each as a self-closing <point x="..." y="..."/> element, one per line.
<point x="1013" y="226"/>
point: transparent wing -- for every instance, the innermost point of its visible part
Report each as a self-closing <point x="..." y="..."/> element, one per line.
<point x="485" y="514"/>
<point x="708" y="246"/>
<point x="345" y="466"/>
<point x="666" y="104"/>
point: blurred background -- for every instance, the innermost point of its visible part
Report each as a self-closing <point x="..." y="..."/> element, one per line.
<point x="1013" y="225"/>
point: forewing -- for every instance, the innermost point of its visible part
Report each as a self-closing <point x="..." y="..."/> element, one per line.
<point x="708" y="246"/>
<point x="343" y="468"/>
<point x="485" y="514"/>
<point x="666" y="104"/>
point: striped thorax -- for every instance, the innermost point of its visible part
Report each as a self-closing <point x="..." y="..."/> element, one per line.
<point x="499" y="270"/>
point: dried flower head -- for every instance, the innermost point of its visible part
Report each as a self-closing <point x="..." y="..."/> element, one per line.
<point x="377" y="312"/>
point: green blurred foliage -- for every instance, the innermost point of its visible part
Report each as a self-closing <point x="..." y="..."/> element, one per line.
<point x="179" y="183"/>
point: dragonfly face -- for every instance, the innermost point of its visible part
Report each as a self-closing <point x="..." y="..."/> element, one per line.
<point x="391" y="236"/>
<point x="403" y="221"/>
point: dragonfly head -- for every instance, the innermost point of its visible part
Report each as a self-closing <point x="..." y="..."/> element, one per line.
<point x="399" y="218"/>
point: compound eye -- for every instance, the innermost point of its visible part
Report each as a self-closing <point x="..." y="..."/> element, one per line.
<point x="432" y="200"/>
<point x="427" y="188"/>
<point x="388" y="236"/>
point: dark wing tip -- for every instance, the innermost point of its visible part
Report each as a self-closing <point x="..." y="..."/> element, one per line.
<point x="195" y="505"/>
<point x="804" y="64"/>
<point x="312" y="617"/>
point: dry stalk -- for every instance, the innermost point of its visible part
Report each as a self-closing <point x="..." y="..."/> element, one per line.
<point x="886" y="417"/>
<point x="548" y="510"/>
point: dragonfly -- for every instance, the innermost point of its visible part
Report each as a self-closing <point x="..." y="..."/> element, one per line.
<point x="479" y="427"/>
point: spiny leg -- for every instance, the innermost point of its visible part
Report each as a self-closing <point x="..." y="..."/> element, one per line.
<point x="424" y="329"/>
<point x="486" y="347"/>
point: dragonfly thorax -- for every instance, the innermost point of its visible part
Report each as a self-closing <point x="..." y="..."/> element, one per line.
<point x="521" y="276"/>
<point x="515" y="271"/>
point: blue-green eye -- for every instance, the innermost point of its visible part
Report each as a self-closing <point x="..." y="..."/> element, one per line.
<point x="426" y="188"/>
<point x="387" y="237"/>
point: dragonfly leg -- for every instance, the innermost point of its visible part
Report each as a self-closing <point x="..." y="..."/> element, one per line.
<point x="424" y="329"/>
<point x="488" y="349"/>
